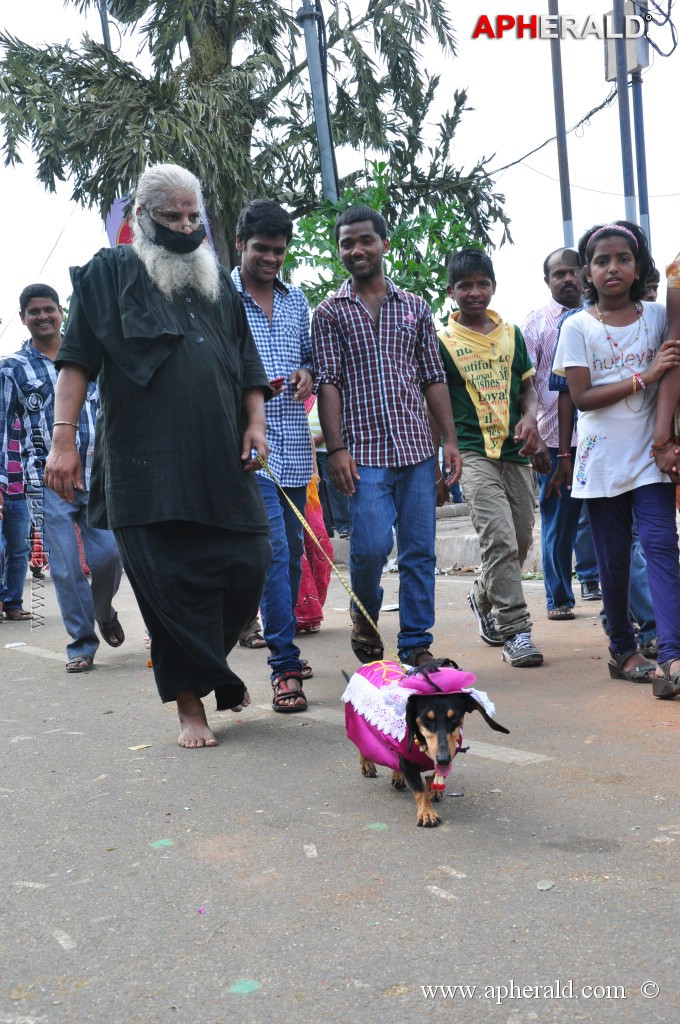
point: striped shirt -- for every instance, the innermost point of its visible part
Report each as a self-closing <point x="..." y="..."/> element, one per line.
<point x="380" y="372"/>
<point x="540" y="330"/>
<point x="27" y="383"/>
<point x="283" y="346"/>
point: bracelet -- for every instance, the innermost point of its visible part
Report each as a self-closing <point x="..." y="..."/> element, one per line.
<point x="655" y="450"/>
<point x="634" y="380"/>
<point x="640" y="382"/>
<point x="340" y="448"/>
<point x="64" y="423"/>
<point x="439" y="480"/>
<point x="564" y="455"/>
<point x="662" y="444"/>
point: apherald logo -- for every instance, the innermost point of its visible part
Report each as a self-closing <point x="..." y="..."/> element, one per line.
<point x="558" y="26"/>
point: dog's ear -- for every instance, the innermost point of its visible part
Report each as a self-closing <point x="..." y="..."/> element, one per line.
<point x="412" y="721"/>
<point x="473" y="705"/>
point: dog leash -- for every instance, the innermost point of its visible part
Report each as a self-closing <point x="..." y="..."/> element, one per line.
<point x="353" y="597"/>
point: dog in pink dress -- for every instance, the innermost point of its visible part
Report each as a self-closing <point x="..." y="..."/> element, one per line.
<point x="412" y="723"/>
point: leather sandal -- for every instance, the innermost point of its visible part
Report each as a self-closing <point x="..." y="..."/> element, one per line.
<point x="412" y="657"/>
<point x="667" y="687"/>
<point x="283" y="693"/>
<point x="561" y="614"/>
<point x="367" y="647"/>
<point x="643" y="673"/>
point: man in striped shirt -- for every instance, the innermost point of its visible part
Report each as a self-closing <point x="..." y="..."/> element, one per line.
<point x="377" y="366"/>
<point x="27" y="384"/>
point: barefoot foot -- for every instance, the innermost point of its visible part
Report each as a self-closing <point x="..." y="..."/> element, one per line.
<point x="195" y="730"/>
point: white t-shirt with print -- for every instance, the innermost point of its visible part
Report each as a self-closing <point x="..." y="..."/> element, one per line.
<point x="613" y="443"/>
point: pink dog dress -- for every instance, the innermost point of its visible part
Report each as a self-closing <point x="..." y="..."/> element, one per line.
<point x="375" y="710"/>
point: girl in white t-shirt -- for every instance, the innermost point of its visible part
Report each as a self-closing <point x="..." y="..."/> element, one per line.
<point x="611" y="353"/>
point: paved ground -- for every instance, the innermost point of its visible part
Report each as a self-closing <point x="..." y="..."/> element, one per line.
<point x="266" y="882"/>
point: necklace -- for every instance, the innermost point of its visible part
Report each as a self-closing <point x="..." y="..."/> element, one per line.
<point x="618" y="350"/>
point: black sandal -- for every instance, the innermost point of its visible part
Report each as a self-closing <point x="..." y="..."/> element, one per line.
<point x="643" y="673"/>
<point x="667" y="687"/>
<point x="367" y="647"/>
<point x="112" y="632"/>
<point x="412" y="657"/>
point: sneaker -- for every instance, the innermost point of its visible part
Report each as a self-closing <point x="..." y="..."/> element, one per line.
<point x="486" y="623"/>
<point x="590" y="591"/>
<point x="521" y="652"/>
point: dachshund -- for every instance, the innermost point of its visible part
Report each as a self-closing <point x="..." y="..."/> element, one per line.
<point x="412" y="723"/>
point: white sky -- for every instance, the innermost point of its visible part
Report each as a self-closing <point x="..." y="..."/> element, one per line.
<point x="510" y="87"/>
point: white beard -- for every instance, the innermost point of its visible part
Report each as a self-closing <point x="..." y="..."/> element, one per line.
<point x="174" y="273"/>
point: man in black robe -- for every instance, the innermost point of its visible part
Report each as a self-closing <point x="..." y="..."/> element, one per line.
<point x="160" y="325"/>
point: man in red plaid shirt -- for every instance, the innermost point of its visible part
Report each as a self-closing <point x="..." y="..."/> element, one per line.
<point x="377" y="368"/>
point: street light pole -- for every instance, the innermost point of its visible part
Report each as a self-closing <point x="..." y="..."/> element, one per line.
<point x="561" y="132"/>
<point x="307" y="17"/>
<point x="624" y="112"/>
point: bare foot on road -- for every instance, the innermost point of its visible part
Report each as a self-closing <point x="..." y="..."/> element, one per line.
<point x="195" y="729"/>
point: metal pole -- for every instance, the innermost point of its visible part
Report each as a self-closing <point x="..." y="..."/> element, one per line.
<point x="624" y="112"/>
<point x="307" y="17"/>
<point x="639" y="127"/>
<point x="561" y="132"/>
<point x="103" y="17"/>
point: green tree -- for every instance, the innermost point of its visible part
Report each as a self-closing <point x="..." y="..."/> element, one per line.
<point x="227" y="97"/>
<point x="420" y="243"/>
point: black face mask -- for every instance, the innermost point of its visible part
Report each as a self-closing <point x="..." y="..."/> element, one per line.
<point x="178" y="241"/>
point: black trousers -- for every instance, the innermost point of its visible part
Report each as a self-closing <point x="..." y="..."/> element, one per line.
<point x="197" y="586"/>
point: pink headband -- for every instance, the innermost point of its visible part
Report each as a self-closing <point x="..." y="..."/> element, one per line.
<point x="613" y="227"/>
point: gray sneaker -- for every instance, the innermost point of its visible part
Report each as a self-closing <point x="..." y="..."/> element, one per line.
<point x="520" y="651"/>
<point x="486" y="623"/>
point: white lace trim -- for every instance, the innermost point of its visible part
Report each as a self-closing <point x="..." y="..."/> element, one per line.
<point x="385" y="707"/>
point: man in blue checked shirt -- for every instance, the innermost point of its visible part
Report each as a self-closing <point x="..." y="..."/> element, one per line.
<point x="278" y="316"/>
<point x="27" y="384"/>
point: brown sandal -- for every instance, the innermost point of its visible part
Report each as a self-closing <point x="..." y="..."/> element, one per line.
<point x="284" y="693"/>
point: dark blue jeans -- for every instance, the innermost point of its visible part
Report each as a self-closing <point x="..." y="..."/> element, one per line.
<point x="559" y="525"/>
<point x="282" y="585"/>
<point x="611" y="521"/>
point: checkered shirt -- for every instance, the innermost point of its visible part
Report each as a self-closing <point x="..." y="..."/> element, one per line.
<point x="380" y="373"/>
<point x="540" y="330"/>
<point x="27" y="383"/>
<point x="283" y="346"/>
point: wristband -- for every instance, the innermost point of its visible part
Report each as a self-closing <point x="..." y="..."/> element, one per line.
<point x="340" y="448"/>
<point x="640" y="382"/>
<point x="662" y="444"/>
<point x="564" y="455"/>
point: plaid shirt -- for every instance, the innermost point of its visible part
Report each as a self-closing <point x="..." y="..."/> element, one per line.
<point x="27" y="383"/>
<point x="380" y="373"/>
<point x="540" y="330"/>
<point x="283" y="346"/>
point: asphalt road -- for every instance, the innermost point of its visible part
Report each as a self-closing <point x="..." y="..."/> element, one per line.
<point x="266" y="882"/>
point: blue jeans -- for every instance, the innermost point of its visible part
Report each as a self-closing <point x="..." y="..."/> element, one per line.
<point x="79" y="602"/>
<point x="611" y="520"/>
<point x="282" y="585"/>
<point x="559" y="525"/>
<point x="15" y="546"/>
<point x="404" y="497"/>
<point x="584" y="553"/>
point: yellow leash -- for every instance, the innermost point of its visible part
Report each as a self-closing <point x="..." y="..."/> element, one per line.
<point x="353" y="597"/>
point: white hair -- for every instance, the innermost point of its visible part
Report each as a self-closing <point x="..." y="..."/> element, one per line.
<point x="172" y="273"/>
